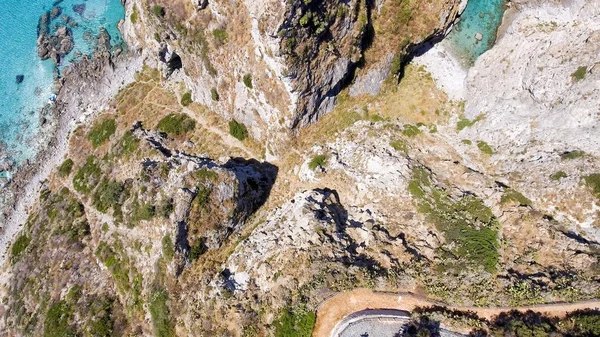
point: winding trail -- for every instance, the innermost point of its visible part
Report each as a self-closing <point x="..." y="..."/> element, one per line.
<point x="331" y="312"/>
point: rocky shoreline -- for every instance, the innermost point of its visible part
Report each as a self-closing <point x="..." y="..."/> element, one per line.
<point x="85" y="89"/>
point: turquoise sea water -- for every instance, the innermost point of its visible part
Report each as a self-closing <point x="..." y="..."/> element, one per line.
<point x="480" y="16"/>
<point x="20" y="103"/>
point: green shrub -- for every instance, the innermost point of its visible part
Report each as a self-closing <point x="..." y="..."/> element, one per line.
<point x="579" y="74"/>
<point x="220" y="35"/>
<point x="65" y="168"/>
<point x="466" y="222"/>
<point x="399" y="145"/>
<point x="176" y="124"/>
<point x="197" y="250"/>
<point x="128" y="144"/>
<point x="102" y="132"/>
<point x="295" y="322"/>
<point x="88" y="176"/>
<point x="317" y="161"/>
<point x="484" y="147"/>
<point x="467" y="142"/>
<point x="572" y="155"/>
<point x="214" y="94"/>
<point x="159" y="11"/>
<point x="205" y="174"/>
<point x="159" y="312"/>
<point x="19" y="245"/>
<point x="593" y="182"/>
<point x="582" y="323"/>
<point x="168" y="249"/>
<point x="186" y="99"/>
<point x="466" y="123"/>
<point x="107" y="195"/>
<point x="57" y="321"/>
<point x="134" y="15"/>
<point x="410" y="130"/>
<point x="238" y="130"/>
<point x="558" y="175"/>
<point x="511" y="195"/>
<point x="248" y="81"/>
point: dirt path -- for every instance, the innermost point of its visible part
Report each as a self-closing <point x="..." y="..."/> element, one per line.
<point x="332" y="311"/>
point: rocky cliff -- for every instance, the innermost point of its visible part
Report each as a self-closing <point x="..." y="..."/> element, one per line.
<point x="188" y="208"/>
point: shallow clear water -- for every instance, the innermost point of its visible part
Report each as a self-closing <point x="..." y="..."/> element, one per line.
<point x="20" y="103"/>
<point x="480" y="16"/>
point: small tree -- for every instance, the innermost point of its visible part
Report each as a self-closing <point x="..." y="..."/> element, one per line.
<point x="248" y="81"/>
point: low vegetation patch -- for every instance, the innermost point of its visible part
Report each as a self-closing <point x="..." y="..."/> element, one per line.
<point x="317" y="161"/>
<point x="484" y="147"/>
<point x="248" y="81"/>
<point x="466" y="142"/>
<point x="88" y="176"/>
<point x="57" y="321"/>
<point x="159" y="312"/>
<point x="134" y="15"/>
<point x="593" y="182"/>
<point x="399" y="145"/>
<point x="511" y="195"/>
<point x="65" y="168"/>
<point x="101" y="132"/>
<point x="295" y="322"/>
<point x="159" y="11"/>
<point x="466" y="223"/>
<point x="558" y="175"/>
<point x="579" y="74"/>
<point x="238" y="130"/>
<point x="176" y="124"/>
<point x="107" y="195"/>
<point x="466" y="123"/>
<point x="572" y="155"/>
<point x="186" y="99"/>
<point x="411" y="130"/>
<point x="220" y="35"/>
<point x="168" y="249"/>
<point x="19" y="246"/>
<point x="214" y="94"/>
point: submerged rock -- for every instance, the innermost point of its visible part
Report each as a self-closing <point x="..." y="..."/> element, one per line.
<point x="79" y="8"/>
<point x="20" y="78"/>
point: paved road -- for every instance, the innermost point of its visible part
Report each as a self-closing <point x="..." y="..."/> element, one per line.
<point x="335" y="310"/>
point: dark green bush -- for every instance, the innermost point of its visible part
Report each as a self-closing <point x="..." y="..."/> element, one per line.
<point x="248" y="81"/>
<point x="19" y="245"/>
<point x="102" y="132"/>
<point x="65" y="168"/>
<point x="572" y="155"/>
<point x="238" y="130"/>
<point x="107" y="195"/>
<point x="176" y="124"/>
<point x="88" y="176"/>
<point x="159" y="11"/>
<point x="214" y="94"/>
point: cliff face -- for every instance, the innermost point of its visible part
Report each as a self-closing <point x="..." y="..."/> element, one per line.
<point x="167" y="218"/>
<point x="279" y="65"/>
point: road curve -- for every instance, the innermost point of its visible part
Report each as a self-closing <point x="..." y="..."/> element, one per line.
<point x="335" y="309"/>
<point x="377" y="323"/>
